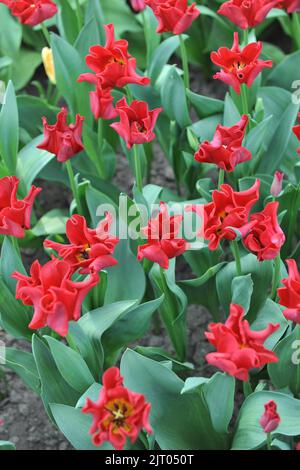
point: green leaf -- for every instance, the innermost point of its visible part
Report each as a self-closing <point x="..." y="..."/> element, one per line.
<point x="54" y="387"/>
<point x="23" y="364"/>
<point x="14" y="316"/>
<point x="31" y="108"/>
<point x="204" y="105"/>
<point x="89" y="36"/>
<point x="162" y="55"/>
<point x="6" y="445"/>
<point x="219" y="395"/>
<point x="95" y="199"/>
<point x="52" y="223"/>
<point x="200" y="281"/>
<point x="9" y="129"/>
<point x="27" y="61"/>
<point x="120" y="15"/>
<point x="270" y="313"/>
<point x="71" y="365"/>
<point x="10" y="33"/>
<point x="176" y="109"/>
<point x="92" y="392"/>
<point x="250" y="435"/>
<point x="242" y="288"/>
<point x="10" y="261"/>
<point x="67" y="21"/>
<point x="180" y="421"/>
<point x="286" y="73"/>
<point x="231" y="113"/>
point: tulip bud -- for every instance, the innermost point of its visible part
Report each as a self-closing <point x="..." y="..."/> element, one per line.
<point x="47" y="57"/>
<point x="138" y="5"/>
<point x="297" y="446"/>
<point x="276" y="186"/>
<point x="270" y="419"/>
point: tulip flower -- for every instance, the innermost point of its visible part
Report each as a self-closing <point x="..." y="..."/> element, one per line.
<point x="138" y="5"/>
<point x="225" y="150"/>
<point x="136" y="122"/>
<point x="247" y="13"/>
<point x="61" y="139"/>
<point x="239" y="66"/>
<point x="296" y="130"/>
<point x="291" y="6"/>
<point x="15" y="213"/>
<point x="31" y="12"/>
<point x="163" y="242"/>
<point x="56" y="299"/>
<point x="89" y="249"/>
<point x="239" y="349"/>
<point x="270" y="419"/>
<point x="174" y="16"/>
<point x="118" y="413"/>
<point x="289" y="295"/>
<point x="47" y="57"/>
<point x="276" y="186"/>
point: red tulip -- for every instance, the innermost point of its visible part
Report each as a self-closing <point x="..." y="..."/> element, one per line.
<point x="118" y="413"/>
<point x="276" y="186"/>
<point x="291" y="6"/>
<point x="228" y="211"/>
<point x="162" y="238"/>
<point x="31" y="12"/>
<point x="270" y="419"/>
<point x="15" y="213"/>
<point x="296" y="130"/>
<point x="289" y="295"/>
<point x="225" y="150"/>
<point x="101" y="101"/>
<point x="174" y="16"/>
<point x="138" y="5"/>
<point x="56" y="299"/>
<point x="239" y="349"/>
<point x="247" y="13"/>
<point x="62" y="140"/>
<point x="136" y="122"/>
<point x="112" y="63"/>
<point x="297" y="446"/>
<point x="89" y="249"/>
<point x="239" y="66"/>
<point x="266" y="237"/>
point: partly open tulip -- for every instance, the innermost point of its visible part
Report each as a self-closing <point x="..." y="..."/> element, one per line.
<point x="31" y="12"/>
<point x="112" y="63"/>
<point x="296" y="130"/>
<point x="291" y="6"/>
<point x="247" y="13"/>
<point x="118" y="413"/>
<point x="56" y="299"/>
<point x="270" y="419"/>
<point x="136" y="122"/>
<point x="61" y="139"/>
<point x="89" y="249"/>
<point x="138" y="5"/>
<point x="225" y="150"/>
<point x="48" y="62"/>
<point x="15" y="213"/>
<point x="163" y="242"/>
<point x="239" y="66"/>
<point x="276" y="186"/>
<point x="265" y="237"/>
<point x="289" y="295"/>
<point x="174" y="16"/>
<point x="239" y="349"/>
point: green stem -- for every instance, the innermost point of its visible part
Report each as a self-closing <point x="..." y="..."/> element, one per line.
<point x="100" y="134"/>
<point x="298" y="365"/>
<point x="247" y="389"/>
<point x="46" y="33"/>
<point x="269" y="441"/>
<point x="246" y="37"/>
<point x="276" y="277"/>
<point x="296" y="29"/>
<point x="79" y="15"/>
<point x="236" y="253"/>
<point x="129" y="95"/>
<point x="244" y="98"/>
<point x="146" y="34"/>
<point x="221" y="177"/>
<point x="137" y="168"/>
<point x="185" y="63"/>
<point x="73" y="186"/>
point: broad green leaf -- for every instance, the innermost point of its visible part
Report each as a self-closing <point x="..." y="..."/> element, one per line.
<point x="10" y="261"/>
<point x="92" y="392"/>
<point x="31" y="109"/>
<point x="6" y="445"/>
<point x="26" y="61"/>
<point x="161" y="56"/>
<point x="176" y="109"/>
<point x="204" y="105"/>
<point x="242" y="288"/>
<point x="10" y="33"/>
<point x="9" y="129"/>
<point x="286" y="73"/>
<point x="51" y="223"/>
<point x="23" y="364"/>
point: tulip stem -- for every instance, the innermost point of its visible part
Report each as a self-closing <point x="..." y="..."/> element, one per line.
<point x="46" y="33"/>
<point x="137" y="169"/>
<point x="296" y="28"/>
<point x="244" y="99"/>
<point x="147" y="35"/>
<point x="247" y="389"/>
<point x="246" y="36"/>
<point x="78" y="15"/>
<point x="73" y="186"/>
<point x="269" y="441"/>
<point x="276" y="276"/>
<point x="236" y="253"/>
<point x="221" y="178"/>
<point x="185" y="63"/>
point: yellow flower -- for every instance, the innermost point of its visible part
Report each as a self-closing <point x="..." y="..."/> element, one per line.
<point x="48" y="62"/>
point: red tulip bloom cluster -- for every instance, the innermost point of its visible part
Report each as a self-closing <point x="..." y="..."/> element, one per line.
<point x="138" y="5"/>
<point x="289" y="295"/>
<point x="228" y="211"/>
<point x="89" y="249"/>
<point x="118" y="413"/>
<point x="270" y="419"/>
<point x="162" y="235"/>
<point x="15" y="213"/>
<point x="247" y="13"/>
<point x="174" y="16"/>
<point x="225" y="150"/>
<point x="296" y="130"/>
<point x="31" y="12"/>
<point x="239" y="66"/>
<point x="113" y="67"/>
<point x="265" y="237"/>
<point x="55" y="297"/>
<point x="61" y="139"/>
<point x="239" y="349"/>
<point x="291" y="6"/>
<point x="136" y="122"/>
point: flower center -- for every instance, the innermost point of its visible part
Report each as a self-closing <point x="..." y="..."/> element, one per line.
<point x="119" y="410"/>
<point x="84" y="254"/>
